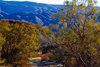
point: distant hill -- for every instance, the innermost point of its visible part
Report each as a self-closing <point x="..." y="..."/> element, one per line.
<point x="28" y="11"/>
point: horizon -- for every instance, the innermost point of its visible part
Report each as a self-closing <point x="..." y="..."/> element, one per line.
<point x="57" y="2"/>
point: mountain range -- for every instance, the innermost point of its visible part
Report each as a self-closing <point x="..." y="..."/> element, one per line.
<point x="37" y="13"/>
<point x="28" y="11"/>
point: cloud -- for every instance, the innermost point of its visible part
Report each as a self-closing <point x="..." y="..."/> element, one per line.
<point x="43" y="1"/>
<point x="50" y="1"/>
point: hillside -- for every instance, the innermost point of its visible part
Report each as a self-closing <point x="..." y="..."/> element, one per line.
<point x="37" y="13"/>
<point x="28" y="11"/>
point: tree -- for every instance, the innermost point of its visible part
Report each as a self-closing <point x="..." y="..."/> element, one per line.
<point x="78" y="38"/>
<point x="2" y="40"/>
<point x="20" y="39"/>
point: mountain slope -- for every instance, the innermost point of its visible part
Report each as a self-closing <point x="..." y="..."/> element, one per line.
<point x="28" y="11"/>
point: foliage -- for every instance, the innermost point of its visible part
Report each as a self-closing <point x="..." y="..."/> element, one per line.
<point x="74" y="41"/>
<point x="2" y="40"/>
<point x="78" y="39"/>
<point x="23" y="63"/>
<point x="17" y="39"/>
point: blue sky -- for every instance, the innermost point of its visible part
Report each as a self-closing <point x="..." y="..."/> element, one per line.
<point x="50" y="1"/>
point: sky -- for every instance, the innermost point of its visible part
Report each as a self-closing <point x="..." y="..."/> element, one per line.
<point x="50" y="1"/>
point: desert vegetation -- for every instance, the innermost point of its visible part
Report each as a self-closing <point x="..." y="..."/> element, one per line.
<point x="74" y="41"/>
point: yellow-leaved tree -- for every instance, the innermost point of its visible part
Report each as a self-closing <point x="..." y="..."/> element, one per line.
<point x="78" y="39"/>
<point x="19" y="39"/>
